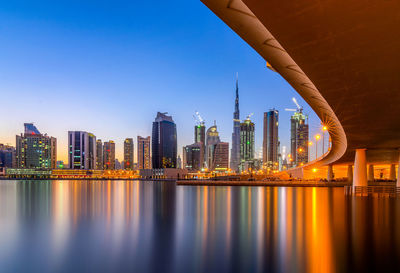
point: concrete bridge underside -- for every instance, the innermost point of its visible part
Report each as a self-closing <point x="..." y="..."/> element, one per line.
<point x="342" y="57"/>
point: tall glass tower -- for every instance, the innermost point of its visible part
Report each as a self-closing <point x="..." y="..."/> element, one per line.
<point x="164" y="142"/>
<point x="235" y="151"/>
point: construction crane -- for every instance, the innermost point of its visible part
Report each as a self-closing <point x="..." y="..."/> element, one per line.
<point x="299" y="108"/>
<point x="249" y="116"/>
<point x="199" y="120"/>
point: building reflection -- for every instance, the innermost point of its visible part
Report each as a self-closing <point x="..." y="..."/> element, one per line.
<point x="132" y="224"/>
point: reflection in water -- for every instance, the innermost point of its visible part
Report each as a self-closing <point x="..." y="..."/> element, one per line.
<point x="111" y="226"/>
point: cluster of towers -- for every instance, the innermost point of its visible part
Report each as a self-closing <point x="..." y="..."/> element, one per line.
<point x="208" y="152"/>
<point x="88" y="153"/>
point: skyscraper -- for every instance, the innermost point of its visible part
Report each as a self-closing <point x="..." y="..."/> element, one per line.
<point x="81" y="150"/>
<point x="246" y="142"/>
<point x="220" y="161"/>
<point x="7" y="156"/>
<point x="193" y="156"/>
<point x="35" y="150"/>
<point x="164" y="142"/>
<point x="217" y="152"/>
<point x="109" y="155"/>
<point x="235" y="152"/>
<point x="99" y="155"/>
<point x="143" y="152"/>
<point x="212" y="139"/>
<point x="299" y="138"/>
<point x="270" y="139"/>
<point x="200" y="137"/>
<point x="128" y="154"/>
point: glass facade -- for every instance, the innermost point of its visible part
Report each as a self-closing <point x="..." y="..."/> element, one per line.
<point x="246" y="142"/>
<point x="35" y="150"/>
<point x="164" y="142"/>
<point x="128" y="154"/>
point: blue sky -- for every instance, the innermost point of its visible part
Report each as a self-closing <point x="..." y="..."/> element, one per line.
<point x="107" y="67"/>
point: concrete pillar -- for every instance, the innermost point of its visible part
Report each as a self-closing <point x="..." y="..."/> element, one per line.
<point x="360" y="168"/>
<point x="350" y="173"/>
<point x="371" y="176"/>
<point x="398" y="174"/>
<point x="330" y="173"/>
<point x="392" y="172"/>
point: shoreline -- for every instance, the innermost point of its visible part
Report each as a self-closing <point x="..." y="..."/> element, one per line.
<point x="261" y="183"/>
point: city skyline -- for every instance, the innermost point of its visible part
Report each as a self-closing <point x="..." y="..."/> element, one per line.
<point x="116" y="110"/>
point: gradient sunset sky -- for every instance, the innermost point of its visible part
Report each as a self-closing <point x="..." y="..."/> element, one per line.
<point x="107" y="67"/>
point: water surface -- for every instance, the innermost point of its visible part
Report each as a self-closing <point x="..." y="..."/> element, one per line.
<point x="145" y="226"/>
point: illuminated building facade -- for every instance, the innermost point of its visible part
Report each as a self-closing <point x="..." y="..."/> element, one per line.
<point x="235" y="152"/>
<point x="211" y="141"/>
<point x="299" y="132"/>
<point x="99" y="155"/>
<point x="246" y="142"/>
<point x="200" y="137"/>
<point x="128" y="154"/>
<point x="164" y="142"/>
<point x="109" y="155"/>
<point x="143" y="152"/>
<point x="35" y="150"/>
<point x="270" y="139"/>
<point x="193" y="157"/>
<point x="220" y="161"/>
<point x="81" y="150"/>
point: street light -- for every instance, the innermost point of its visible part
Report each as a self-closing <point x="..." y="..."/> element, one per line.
<point x="317" y="137"/>
<point x="324" y="129"/>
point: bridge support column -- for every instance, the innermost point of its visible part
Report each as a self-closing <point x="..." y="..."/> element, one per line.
<point x="350" y="173"/>
<point x="330" y="173"/>
<point x="371" y="176"/>
<point x="360" y="168"/>
<point x="392" y="175"/>
<point x="398" y="174"/>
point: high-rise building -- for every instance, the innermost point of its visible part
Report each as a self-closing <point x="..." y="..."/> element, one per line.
<point x="270" y="139"/>
<point x="143" y="152"/>
<point x="109" y="155"/>
<point x="81" y="150"/>
<point x="298" y="138"/>
<point x="246" y="142"/>
<point x="217" y="152"/>
<point x="118" y="165"/>
<point x="200" y="137"/>
<point x="193" y="156"/>
<point x="7" y="156"/>
<point x="235" y="152"/>
<point x="35" y="150"/>
<point x="53" y="156"/>
<point x="164" y="142"/>
<point x="128" y="154"/>
<point x="99" y="155"/>
<point x="211" y="140"/>
<point x="220" y="161"/>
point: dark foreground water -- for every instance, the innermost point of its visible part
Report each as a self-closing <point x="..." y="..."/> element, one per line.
<point x="118" y="226"/>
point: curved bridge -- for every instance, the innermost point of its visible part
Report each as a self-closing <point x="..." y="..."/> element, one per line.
<point x="343" y="58"/>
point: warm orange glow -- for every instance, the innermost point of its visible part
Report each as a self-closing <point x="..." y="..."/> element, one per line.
<point x="314" y="170"/>
<point x="317" y="137"/>
<point x="310" y="143"/>
<point x="324" y="128"/>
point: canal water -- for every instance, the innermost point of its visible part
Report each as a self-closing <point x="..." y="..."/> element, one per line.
<point x="145" y="226"/>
